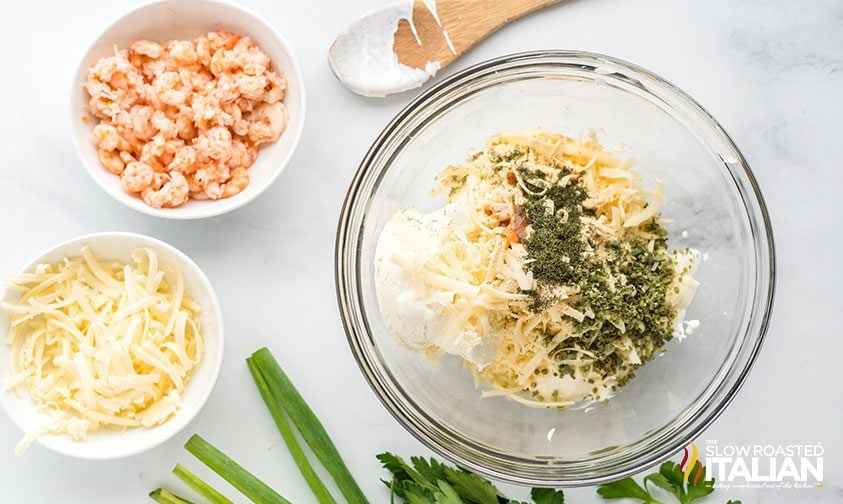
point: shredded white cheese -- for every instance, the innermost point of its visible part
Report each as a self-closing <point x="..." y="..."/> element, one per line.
<point x="101" y="344"/>
<point x="456" y="280"/>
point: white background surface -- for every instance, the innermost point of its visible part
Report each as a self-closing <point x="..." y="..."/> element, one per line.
<point x="770" y="71"/>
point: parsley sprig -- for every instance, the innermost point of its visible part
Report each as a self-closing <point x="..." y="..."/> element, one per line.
<point x="669" y="478"/>
<point x="428" y="481"/>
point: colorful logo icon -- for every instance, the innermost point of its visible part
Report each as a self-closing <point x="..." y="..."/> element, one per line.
<point x="689" y="462"/>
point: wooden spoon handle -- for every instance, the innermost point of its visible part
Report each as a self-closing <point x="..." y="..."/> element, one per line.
<point x="464" y="23"/>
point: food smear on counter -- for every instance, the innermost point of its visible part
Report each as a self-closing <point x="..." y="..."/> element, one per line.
<point x="185" y="119"/>
<point x="99" y="344"/>
<point x="547" y="271"/>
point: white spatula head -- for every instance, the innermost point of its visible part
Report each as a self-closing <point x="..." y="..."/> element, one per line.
<point x="363" y="58"/>
<point x="401" y="46"/>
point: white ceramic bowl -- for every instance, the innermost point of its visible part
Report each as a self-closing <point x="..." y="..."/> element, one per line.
<point x="111" y="444"/>
<point x="185" y="20"/>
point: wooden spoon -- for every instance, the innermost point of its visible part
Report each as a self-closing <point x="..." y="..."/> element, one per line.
<point x="401" y="46"/>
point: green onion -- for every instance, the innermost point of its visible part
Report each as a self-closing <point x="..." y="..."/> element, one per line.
<point x="308" y="425"/>
<point x="316" y="486"/>
<point x="165" y="497"/>
<point x="254" y="489"/>
<point x="199" y="486"/>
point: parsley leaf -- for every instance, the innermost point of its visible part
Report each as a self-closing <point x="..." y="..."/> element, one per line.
<point x="428" y="481"/>
<point x="672" y="473"/>
<point x="471" y="487"/>
<point x="432" y="470"/>
<point x="447" y="494"/>
<point x="547" y="496"/>
<point x="404" y="473"/>
<point x="701" y="488"/>
<point x="626" y="488"/>
<point x="414" y="494"/>
<point x="665" y="484"/>
<point x="669" y="478"/>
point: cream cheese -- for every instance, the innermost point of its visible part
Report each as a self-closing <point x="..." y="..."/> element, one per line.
<point x="413" y="311"/>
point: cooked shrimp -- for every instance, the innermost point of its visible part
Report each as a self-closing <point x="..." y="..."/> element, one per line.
<point x="202" y="80"/>
<point x="96" y="87"/>
<point x="251" y="59"/>
<point x="167" y="87"/>
<point x="118" y="81"/>
<point x="122" y="119"/>
<point x="240" y="127"/>
<point x="105" y="68"/>
<point x="153" y="149"/>
<point x="164" y="125"/>
<point x="170" y="148"/>
<point x="203" y="50"/>
<point x="214" y="143"/>
<point x="127" y="157"/>
<point x="184" y="160"/>
<point x="172" y="190"/>
<point x="222" y="40"/>
<point x="111" y="161"/>
<point x="194" y="186"/>
<point x="245" y="105"/>
<point x="252" y="87"/>
<point x="103" y="107"/>
<point x="184" y="122"/>
<point x="242" y="155"/>
<point x="154" y="68"/>
<point x="107" y="138"/>
<point x="184" y="119"/>
<point x="277" y="88"/>
<point x="238" y="181"/>
<point x="137" y="176"/>
<point x="141" y="121"/>
<point x="212" y="178"/>
<point x="182" y="53"/>
<point x="135" y="145"/>
<point x="206" y="109"/>
<point x="234" y="111"/>
<point x="223" y="62"/>
<point x="111" y="82"/>
<point x="146" y="48"/>
<point x="269" y="120"/>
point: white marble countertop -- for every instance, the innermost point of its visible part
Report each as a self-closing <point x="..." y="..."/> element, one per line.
<point x="770" y="71"/>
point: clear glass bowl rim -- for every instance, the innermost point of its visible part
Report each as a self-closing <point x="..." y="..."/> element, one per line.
<point x="466" y="453"/>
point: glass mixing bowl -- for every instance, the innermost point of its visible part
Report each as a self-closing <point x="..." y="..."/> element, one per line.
<point x="715" y="206"/>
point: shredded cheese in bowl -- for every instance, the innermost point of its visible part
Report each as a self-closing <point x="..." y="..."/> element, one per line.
<point x="102" y="344"/>
<point x="547" y="271"/>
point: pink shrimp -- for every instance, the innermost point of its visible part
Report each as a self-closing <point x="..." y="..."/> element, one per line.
<point x="268" y="122"/>
<point x="146" y="48"/>
<point x="214" y="143"/>
<point x="238" y="181"/>
<point x="137" y="176"/>
<point x="168" y="190"/>
<point x="169" y="88"/>
<point x="111" y="161"/>
<point x="212" y="178"/>
<point x="184" y="160"/>
<point x="107" y="137"/>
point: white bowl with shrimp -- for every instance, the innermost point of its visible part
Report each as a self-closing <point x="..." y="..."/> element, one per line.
<point x="112" y="443"/>
<point x="185" y="20"/>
